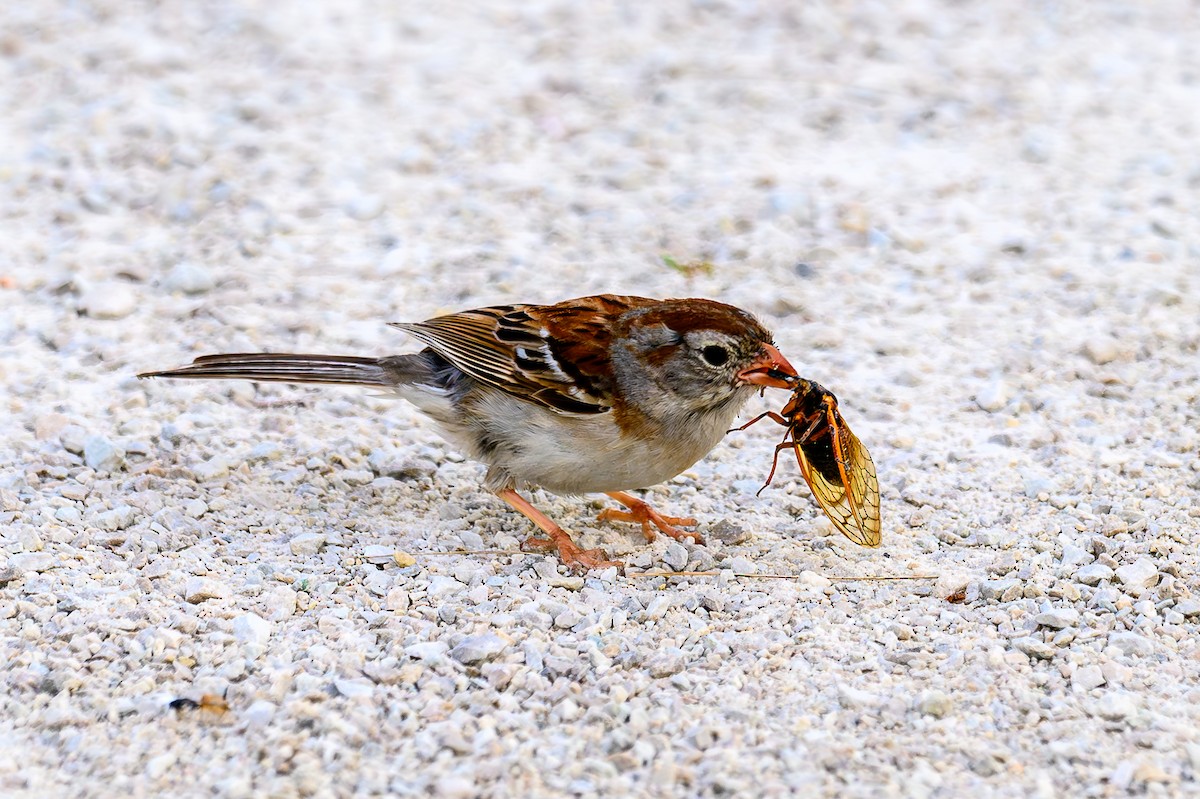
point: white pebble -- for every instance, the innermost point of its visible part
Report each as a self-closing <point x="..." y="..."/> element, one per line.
<point x="306" y="544"/>
<point x="1058" y="618"/>
<point x="102" y="455"/>
<point x="1093" y="574"/>
<point x="1188" y="607"/>
<point x="198" y="589"/>
<point x="32" y="561"/>
<point x="1139" y="575"/>
<point x="1128" y="643"/>
<point x="1086" y="678"/>
<point x="108" y="301"/>
<point x="427" y="650"/>
<point x="478" y="648"/>
<point x="354" y="689"/>
<point x="116" y="519"/>
<point x="250" y="628"/>
<point x="676" y="556"/>
<point x="934" y="703"/>
<point x="1116" y="705"/>
<point x="994" y="396"/>
<point x="189" y="278"/>
<point x="1102" y="349"/>
<point x="211" y="469"/>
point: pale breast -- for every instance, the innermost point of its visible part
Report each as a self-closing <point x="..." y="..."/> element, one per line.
<point x="527" y="444"/>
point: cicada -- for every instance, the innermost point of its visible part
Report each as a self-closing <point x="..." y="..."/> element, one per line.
<point x="835" y="464"/>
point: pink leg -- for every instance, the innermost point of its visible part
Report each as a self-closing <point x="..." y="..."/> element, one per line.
<point x="641" y="513"/>
<point x="575" y="558"/>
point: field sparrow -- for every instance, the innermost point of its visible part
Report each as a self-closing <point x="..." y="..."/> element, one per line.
<point x="597" y="394"/>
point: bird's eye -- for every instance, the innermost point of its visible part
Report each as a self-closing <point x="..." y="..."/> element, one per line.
<point x="714" y="355"/>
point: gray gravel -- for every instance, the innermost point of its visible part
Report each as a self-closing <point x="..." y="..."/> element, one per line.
<point x="975" y="223"/>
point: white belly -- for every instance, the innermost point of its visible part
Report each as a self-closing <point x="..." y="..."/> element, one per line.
<point x="526" y="444"/>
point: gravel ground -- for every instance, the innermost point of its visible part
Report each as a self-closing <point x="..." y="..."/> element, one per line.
<point x="975" y="223"/>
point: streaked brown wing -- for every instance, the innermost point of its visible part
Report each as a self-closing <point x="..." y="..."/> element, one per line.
<point x="556" y="355"/>
<point x="849" y="494"/>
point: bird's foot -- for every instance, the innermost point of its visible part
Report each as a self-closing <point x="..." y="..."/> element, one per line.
<point x="640" y="512"/>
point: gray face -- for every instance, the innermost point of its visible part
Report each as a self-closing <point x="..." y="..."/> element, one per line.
<point x="667" y="370"/>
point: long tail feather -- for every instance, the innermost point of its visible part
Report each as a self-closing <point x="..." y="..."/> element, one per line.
<point x="285" y="368"/>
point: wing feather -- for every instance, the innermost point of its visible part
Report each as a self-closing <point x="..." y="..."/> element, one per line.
<point x="555" y="355"/>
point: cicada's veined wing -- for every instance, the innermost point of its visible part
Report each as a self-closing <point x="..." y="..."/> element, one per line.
<point x="841" y="474"/>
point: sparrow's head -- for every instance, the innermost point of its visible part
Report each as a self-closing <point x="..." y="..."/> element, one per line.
<point x="696" y="354"/>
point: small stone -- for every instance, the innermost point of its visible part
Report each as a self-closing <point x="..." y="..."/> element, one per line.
<point x="118" y="518"/>
<point x="29" y="540"/>
<point x="658" y="607"/>
<point x="69" y="514"/>
<point x="265" y="451"/>
<point x="354" y="689"/>
<point x="392" y="462"/>
<point x="935" y="703"/>
<point x="73" y="438"/>
<point x="471" y="540"/>
<point x="950" y="583"/>
<point x="1149" y="771"/>
<point x="1035" y="647"/>
<point x="1128" y="643"/>
<point x="397" y="600"/>
<point x="854" y="699"/>
<point x="250" y="628"/>
<point x="814" y="580"/>
<point x="440" y="585"/>
<point x="478" y="648"/>
<point x="1102" y="349"/>
<point x="306" y="544"/>
<point x="1188" y="607"/>
<point x="1093" y="574"/>
<point x="1058" y="618"/>
<point x="1139" y="575"/>
<point x="994" y="396"/>
<point x="1086" y="678"/>
<point x="49" y="426"/>
<point x="1075" y="556"/>
<point x="995" y="590"/>
<point x="281" y="603"/>
<point x="31" y="561"/>
<point x="666" y="663"/>
<point x="196" y="508"/>
<point x="1116" y="705"/>
<point x="108" y="301"/>
<point x="198" y="589"/>
<point x="211" y="469"/>
<point x="427" y="650"/>
<point x="260" y="713"/>
<point x="729" y="533"/>
<point x="568" y="619"/>
<point x="676" y="556"/>
<point x="1034" y="483"/>
<point x="356" y="477"/>
<point x="189" y="278"/>
<point x="455" y="786"/>
<point x="75" y="492"/>
<point x="741" y="565"/>
<point x="102" y="455"/>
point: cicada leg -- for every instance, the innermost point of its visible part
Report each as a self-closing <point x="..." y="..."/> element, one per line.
<point x="771" y="414"/>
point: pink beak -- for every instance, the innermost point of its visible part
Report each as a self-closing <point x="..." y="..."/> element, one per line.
<point x="769" y="370"/>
